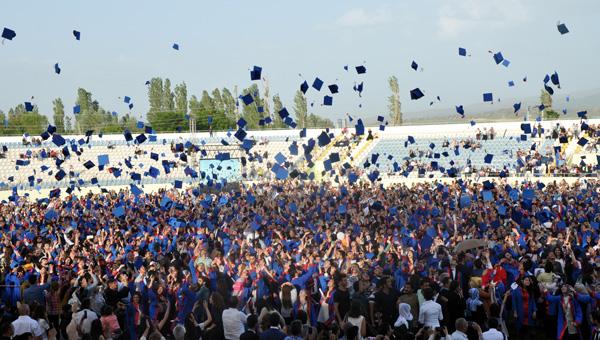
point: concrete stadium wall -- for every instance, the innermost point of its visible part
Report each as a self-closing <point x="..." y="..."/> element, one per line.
<point x="390" y="131"/>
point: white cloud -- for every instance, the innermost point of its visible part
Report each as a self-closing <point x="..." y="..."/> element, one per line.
<point x="456" y="17"/>
<point x="360" y="17"/>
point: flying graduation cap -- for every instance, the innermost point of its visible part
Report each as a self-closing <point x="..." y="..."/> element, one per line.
<point x="8" y="34"/>
<point x="562" y="28"/>
<point x="256" y="73"/>
<point x="77" y="34"/>
<point x="416" y="94"/>
<point x="56" y="68"/>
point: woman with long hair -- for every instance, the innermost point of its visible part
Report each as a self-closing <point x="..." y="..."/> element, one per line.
<point x="288" y="296"/>
<point x="354" y="317"/>
<point x="524" y="306"/>
<point x="217" y="305"/>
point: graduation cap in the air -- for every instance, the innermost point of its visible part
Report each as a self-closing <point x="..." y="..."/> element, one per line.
<point x="582" y="141"/>
<point x="176" y="46"/>
<point x="127" y="135"/>
<point x="9" y="34"/>
<point x="56" y="68"/>
<point x="256" y="72"/>
<point x="327" y="100"/>
<point x="323" y="139"/>
<point x="240" y="134"/>
<point x="304" y="87"/>
<point x="582" y="114"/>
<point x="361" y="69"/>
<point x="460" y="110"/>
<point x="103" y="160"/>
<point x="562" y="28"/>
<point x="76" y="109"/>
<point x="333" y="88"/>
<point x="247" y="99"/>
<point x="414" y="65"/>
<point x="498" y="57"/>
<point x="462" y="51"/>
<point x="488" y="158"/>
<point x="77" y="34"/>
<point x="511" y="83"/>
<point x="28" y="106"/>
<point x="517" y="107"/>
<point x="554" y="79"/>
<point x="58" y="140"/>
<point x="416" y="94"/>
<point x="317" y="84"/>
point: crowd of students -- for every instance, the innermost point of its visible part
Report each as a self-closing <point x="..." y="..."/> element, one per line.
<point x="305" y="260"/>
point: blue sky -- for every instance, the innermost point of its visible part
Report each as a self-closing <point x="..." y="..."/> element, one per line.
<point x="124" y="43"/>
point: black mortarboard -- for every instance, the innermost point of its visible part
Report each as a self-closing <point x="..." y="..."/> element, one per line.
<point x="462" y="51"/>
<point x="327" y="100"/>
<point x="128" y="136"/>
<point x="28" y="106"/>
<point x="89" y="164"/>
<point x="60" y="174"/>
<point x="416" y="94"/>
<point x="414" y="65"/>
<point x="361" y="69"/>
<point x="323" y="139"/>
<point x="304" y="87"/>
<point x="247" y="99"/>
<point x="562" y="28"/>
<point x="141" y="138"/>
<point x="240" y="134"/>
<point x="255" y="74"/>
<point x="9" y="34"/>
<point x="488" y="97"/>
<point x="498" y="57"/>
<point x="77" y="34"/>
<point x="333" y="88"/>
<point x="317" y="84"/>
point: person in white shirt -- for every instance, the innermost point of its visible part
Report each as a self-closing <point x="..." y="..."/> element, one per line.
<point x="233" y="320"/>
<point x="462" y="326"/>
<point x="493" y="333"/>
<point x="430" y="312"/>
<point x="25" y="324"/>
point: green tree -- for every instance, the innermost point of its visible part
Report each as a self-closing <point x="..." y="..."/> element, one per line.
<point x="546" y="100"/>
<point x="20" y="121"/>
<point x="218" y="100"/>
<point x="181" y="97"/>
<point x="300" y="109"/>
<point x="68" y="124"/>
<point x="167" y="103"/>
<point x="277" y="106"/>
<point x="266" y="94"/>
<point x="228" y="103"/>
<point x="155" y="94"/>
<point x="394" y="104"/>
<point x="250" y="112"/>
<point x="206" y="102"/>
<point x="168" y="121"/>
<point x="59" y="115"/>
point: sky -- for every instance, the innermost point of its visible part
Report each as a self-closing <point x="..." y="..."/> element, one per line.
<point x="125" y="43"/>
